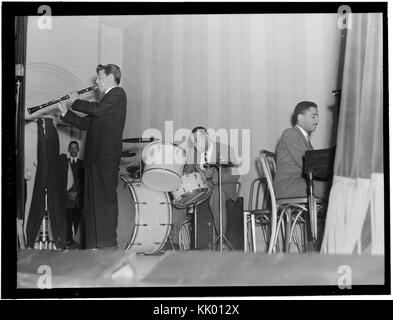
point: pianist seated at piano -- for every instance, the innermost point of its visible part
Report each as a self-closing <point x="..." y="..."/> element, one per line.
<point x="289" y="181"/>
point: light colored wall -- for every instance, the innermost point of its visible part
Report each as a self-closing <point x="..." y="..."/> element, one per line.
<point x="71" y="43"/>
<point x="111" y="45"/>
<point x="230" y="71"/>
<point x="60" y="60"/>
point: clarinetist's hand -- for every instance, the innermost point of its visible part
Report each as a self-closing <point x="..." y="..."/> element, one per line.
<point x="62" y="106"/>
<point x="73" y="96"/>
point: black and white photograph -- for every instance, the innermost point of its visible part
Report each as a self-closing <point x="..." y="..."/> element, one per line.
<point x="195" y="149"/>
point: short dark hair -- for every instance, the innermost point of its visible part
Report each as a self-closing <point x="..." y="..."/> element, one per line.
<point x="110" y="69"/>
<point x="73" y="141"/>
<point x="300" y="108"/>
<point x="198" y="128"/>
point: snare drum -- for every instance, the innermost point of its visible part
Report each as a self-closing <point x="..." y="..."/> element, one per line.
<point x="145" y="217"/>
<point x="164" y="165"/>
<point x="194" y="189"/>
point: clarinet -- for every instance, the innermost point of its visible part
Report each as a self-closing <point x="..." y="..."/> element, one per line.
<point x="47" y="104"/>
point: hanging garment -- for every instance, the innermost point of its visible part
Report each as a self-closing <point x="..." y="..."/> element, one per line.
<point x="50" y="180"/>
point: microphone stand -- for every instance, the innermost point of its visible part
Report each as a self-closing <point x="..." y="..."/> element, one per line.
<point x="18" y="83"/>
<point x="220" y="203"/>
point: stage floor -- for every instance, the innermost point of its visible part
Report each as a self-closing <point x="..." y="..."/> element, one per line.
<point x="117" y="268"/>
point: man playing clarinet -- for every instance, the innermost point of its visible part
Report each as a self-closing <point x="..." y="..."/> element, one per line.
<point x="104" y="124"/>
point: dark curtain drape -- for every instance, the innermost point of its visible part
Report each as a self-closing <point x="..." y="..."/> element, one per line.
<point x="50" y="180"/>
<point x="355" y="217"/>
<point x="20" y="58"/>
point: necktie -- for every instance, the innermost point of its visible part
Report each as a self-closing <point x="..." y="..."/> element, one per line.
<point x="309" y="142"/>
<point x="72" y="162"/>
<point x="70" y="178"/>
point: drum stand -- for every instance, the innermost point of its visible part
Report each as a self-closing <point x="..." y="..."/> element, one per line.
<point x="194" y="207"/>
<point x="221" y="236"/>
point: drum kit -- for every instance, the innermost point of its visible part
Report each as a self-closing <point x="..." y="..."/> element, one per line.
<point x="147" y="194"/>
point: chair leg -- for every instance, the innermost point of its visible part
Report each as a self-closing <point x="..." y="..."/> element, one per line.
<point x="245" y="231"/>
<point x="307" y="234"/>
<point x="252" y="233"/>
<point x="254" y="242"/>
<point x="279" y="227"/>
<point x="282" y="234"/>
<point x="300" y="237"/>
<point x="296" y="238"/>
<point x="263" y="228"/>
<point x="288" y="234"/>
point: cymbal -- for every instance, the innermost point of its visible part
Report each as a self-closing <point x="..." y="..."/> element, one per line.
<point x="221" y="164"/>
<point x="128" y="154"/>
<point x="139" y="140"/>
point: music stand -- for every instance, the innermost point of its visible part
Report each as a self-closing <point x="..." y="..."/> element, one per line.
<point x="219" y="166"/>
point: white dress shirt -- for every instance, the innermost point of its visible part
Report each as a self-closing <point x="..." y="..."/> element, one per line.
<point x="206" y="156"/>
<point x="70" y="177"/>
<point x="109" y="89"/>
<point x="307" y="136"/>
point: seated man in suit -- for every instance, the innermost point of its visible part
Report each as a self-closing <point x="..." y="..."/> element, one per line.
<point x="294" y="142"/>
<point x="200" y="149"/>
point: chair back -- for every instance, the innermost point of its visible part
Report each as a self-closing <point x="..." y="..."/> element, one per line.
<point x="268" y="160"/>
<point x="258" y="193"/>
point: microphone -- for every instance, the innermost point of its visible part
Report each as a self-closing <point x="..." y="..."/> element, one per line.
<point x="19" y="72"/>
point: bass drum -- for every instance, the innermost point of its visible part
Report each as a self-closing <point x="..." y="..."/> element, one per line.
<point x="145" y="217"/>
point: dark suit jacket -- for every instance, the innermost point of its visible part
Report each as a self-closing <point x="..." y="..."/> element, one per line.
<point x="104" y="125"/>
<point x="78" y="175"/>
<point x="220" y="152"/>
<point x="290" y="152"/>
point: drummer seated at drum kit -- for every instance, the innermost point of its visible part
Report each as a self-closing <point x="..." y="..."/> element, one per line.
<point x="201" y="150"/>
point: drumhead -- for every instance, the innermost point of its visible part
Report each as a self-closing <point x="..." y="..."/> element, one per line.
<point x="126" y="213"/>
<point x="161" y="180"/>
<point x="158" y="153"/>
<point x="144" y="219"/>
